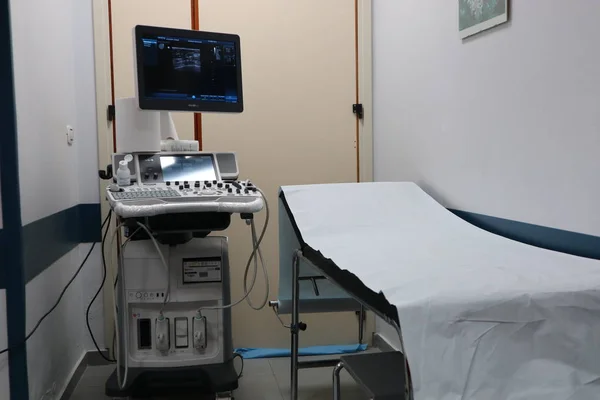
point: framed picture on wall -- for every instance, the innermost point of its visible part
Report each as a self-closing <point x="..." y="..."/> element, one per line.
<point x="475" y="16"/>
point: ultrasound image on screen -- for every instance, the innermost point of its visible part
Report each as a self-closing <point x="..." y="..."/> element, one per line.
<point x="187" y="60"/>
<point x="190" y="69"/>
<point x="188" y="168"/>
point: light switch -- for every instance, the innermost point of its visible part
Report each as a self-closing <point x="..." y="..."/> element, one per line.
<point x="181" y="333"/>
<point x="162" y="334"/>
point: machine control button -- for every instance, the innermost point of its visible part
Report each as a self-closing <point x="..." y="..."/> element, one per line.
<point x="220" y="185"/>
<point x="197" y="184"/>
<point x="180" y="187"/>
<point x="246" y="191"/>
<point x="177" y="183"/>
<point x="230" y="190"/>
<point x="208" y="184"/>
<point x="236" y="184"/>
<point x="155" y="176"/>
<point x="138" y="295"/>
<point x="181" y="333"/>
<point x="146" y="176"/>
<point x="185" y="182"/>
<point x="162" y="334"/>
<point x="168" y="183"/>
<point x="238" y="191"/>
<point x="199" y="326"/>
<point x="214" y="182"/>
<point x="187" y="185"/>
<point x="145" y="294"/>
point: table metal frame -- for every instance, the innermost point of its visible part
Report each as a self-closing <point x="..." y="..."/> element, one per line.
<point x="296" y="326"/>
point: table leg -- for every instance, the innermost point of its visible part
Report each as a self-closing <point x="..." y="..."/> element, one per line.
<point x="295" y="322"/>
<point x="337" y="392"/>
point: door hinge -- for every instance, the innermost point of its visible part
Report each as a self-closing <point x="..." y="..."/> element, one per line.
<point x="358" y="110"/>
<point x="110" y="113"/>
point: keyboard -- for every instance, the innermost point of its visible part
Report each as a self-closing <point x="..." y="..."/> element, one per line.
<point x="140" y="194"/>
<point x="145" y="200"/>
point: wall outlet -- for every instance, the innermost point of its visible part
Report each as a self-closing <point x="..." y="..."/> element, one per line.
<point x="70" y="135"/>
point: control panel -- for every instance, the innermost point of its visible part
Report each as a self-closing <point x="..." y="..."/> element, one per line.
<point x="167" y="183"/>
<point x="183" y="190"/>
<point x="146" y="296"/>
<point x="150" y="168"/>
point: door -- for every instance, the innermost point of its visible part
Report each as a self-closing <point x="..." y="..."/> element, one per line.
<point x="299" y="62"/>
<point x="299" y="76"/>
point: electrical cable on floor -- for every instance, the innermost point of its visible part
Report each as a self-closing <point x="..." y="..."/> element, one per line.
<point x="279" y="318"/>
<point x="87" y="312"/>
<point x="62" y="293"/>
<point x="242" y="367"/>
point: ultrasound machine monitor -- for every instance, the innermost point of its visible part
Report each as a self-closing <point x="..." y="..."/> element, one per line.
<point x="185" y="70"/>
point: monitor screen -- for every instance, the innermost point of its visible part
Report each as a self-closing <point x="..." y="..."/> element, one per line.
<point x="188" y="168"/>
<point x="184" y="70"/>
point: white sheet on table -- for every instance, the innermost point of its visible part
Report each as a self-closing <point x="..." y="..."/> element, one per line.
<point x="483" y="317"/>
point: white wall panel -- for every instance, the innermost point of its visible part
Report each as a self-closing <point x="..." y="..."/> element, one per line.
<point x="505" y="123"/>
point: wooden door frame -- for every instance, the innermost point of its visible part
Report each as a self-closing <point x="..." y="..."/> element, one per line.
<point x="364" y="96"/>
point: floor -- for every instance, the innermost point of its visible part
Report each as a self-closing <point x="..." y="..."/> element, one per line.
<point x="265" y="379"/>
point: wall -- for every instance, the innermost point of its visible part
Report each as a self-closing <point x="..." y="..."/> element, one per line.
<point x="504" y="123"/>
<point x="54" y="85"/>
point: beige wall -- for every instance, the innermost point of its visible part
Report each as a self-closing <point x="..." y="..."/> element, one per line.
<point x="298" y="62"/>
<point x="126" y="15"/>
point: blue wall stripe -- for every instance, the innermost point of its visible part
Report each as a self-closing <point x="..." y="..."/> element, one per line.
<point x="11" y="247"/>
<point x="48" y="239"/>
<point x="577" y="244"/>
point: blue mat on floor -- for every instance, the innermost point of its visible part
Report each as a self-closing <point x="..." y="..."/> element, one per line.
<point x="307" y="351"/>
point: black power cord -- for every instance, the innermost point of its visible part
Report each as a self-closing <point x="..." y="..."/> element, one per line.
<point x="242" y="366"/>
<point x="37" y="325"/>
<point x="87" y="312"/>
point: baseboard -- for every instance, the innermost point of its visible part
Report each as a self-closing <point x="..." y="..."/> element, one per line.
<point x="382" y="344"/>
<point x="91" y="358"/>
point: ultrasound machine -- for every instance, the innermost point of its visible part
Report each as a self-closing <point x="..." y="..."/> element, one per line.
<point x="172" y="299"/>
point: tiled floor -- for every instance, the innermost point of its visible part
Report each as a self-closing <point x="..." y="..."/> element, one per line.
<point x="267" y="379"/>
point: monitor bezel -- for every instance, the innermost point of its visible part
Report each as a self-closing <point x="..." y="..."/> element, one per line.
<point x="146" y="103"/>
